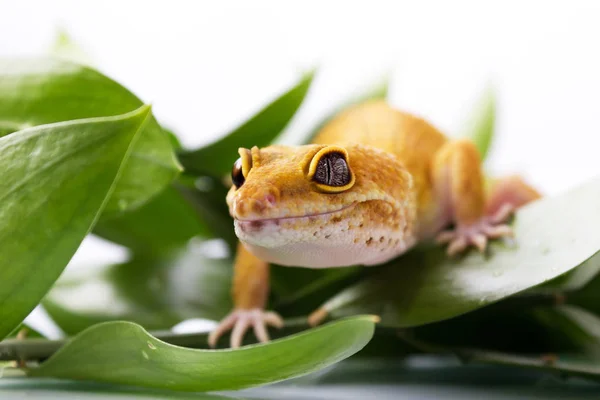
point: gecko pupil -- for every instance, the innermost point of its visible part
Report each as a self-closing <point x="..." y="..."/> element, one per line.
<point x="237" y="177"/>
<point x="332" y="170"/>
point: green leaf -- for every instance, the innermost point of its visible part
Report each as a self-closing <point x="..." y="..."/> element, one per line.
<point x="480" y="127"/>
<point x="515" y="326"/>
<point x="217" y="158"/>
<point x="56" y="179"/>
<point x="378" y="91"/>
<point x="553" y="236"/>
<point x="124" y="353"/>
<point x="156" y="293"/>
<point x="43" y="90"/>
<point x="575" y="279"/>
<point x="576" y="324"/>
<point x="587" y="297"/>
<point x="165" y="223"/>
<point x="298" y="291"/>
<point x="207" y="195"/>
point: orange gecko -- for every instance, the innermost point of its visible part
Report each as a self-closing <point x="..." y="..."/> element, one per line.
<point x="374" y="182"/>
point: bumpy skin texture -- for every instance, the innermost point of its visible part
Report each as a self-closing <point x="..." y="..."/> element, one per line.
<point x="283" y="217"/>
<point x="409" y="182"/>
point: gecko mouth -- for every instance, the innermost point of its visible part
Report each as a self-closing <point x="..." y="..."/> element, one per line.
<point x="259" y="222"/>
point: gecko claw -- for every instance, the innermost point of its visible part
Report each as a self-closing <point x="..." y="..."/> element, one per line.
<point x="457" y="245"/>
<point x="505" y="211"/>
<point x="476" y="234"/>
<point x="479" y="240"/>
<point x="240" y="320"/>
<point x="498" y="231"/>
<point x="445" y="237"/>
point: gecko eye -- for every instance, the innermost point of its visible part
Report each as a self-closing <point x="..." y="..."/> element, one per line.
<point x="332" y="170"/>
<point x="241" y="167"/>
<point x="237" y="176"/>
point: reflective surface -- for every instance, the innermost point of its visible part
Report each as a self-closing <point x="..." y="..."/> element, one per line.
<point x="417" y="378"/>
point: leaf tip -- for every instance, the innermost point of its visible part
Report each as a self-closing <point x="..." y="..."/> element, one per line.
<point x="143" y="111"/>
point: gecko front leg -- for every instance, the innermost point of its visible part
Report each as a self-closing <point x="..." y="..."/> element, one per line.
<point x="250" y="292"/>
<point x="459" y="183"/>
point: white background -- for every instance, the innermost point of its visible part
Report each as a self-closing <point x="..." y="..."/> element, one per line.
<point x="206" y="66"/>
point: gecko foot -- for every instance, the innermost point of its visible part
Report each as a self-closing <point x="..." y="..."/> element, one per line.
<point x="478" y="233"/>
<point x="240" y="320"/>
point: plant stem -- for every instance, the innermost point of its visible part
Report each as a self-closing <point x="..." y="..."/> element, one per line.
<point x="28" y="349"/>
<point x="40" y="349"/>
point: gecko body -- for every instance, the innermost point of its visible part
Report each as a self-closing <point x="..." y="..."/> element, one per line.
<point x="374" y="182"/>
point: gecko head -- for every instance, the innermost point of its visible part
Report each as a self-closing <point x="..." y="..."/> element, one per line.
<point x="321" y="205"/>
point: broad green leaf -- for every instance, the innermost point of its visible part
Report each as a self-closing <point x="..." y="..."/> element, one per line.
<point x="553" y="235"/>
<point x="207" y="195"/>
<point x="298" y="291"/>
<point x="480" y="127"/>
<point x="56" y="180"/>
<point x="156" y="292"/>
<point x="164" y="223"/>
<point x="588" y="296"/>
<point x="217" y="158"/>
<point x="124" y="353"/>
<point x="39" y="91"/>
<point x="378" y="91"/>
<point x="574" y="279"/>
<point x="517" y="325"/>
<point x="578" y="325"/>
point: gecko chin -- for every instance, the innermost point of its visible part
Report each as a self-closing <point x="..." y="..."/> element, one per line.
<point x="335" y="239"/>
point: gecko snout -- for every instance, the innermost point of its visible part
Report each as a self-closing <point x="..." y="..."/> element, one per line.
<point x="256" y="202"/>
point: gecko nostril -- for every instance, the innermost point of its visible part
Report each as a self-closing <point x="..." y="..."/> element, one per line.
<point x="245" y="207"/>
<point x="270" y="199"/>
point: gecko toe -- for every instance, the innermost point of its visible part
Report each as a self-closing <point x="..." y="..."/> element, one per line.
<point x="495" y="232"/>
<point x="273" y="319"/>
<point x="479" y="240"/>
<point x="260" y="331"/>
<point x="239" y="330"/>
<point x="445" y="237"/>
<point x="239" y="321"/>
<point x="502" y="214"/>
<point x="457" y="245"/>
<point x="223" y="327"/>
